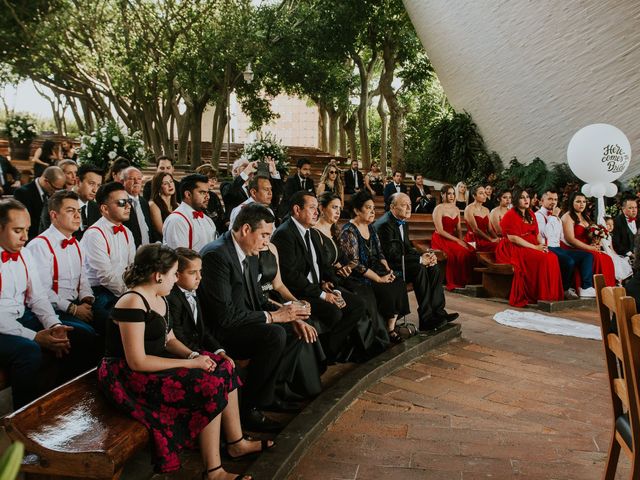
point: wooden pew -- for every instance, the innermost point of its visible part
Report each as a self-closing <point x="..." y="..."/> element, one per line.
<point x="73" y="431"/>
<point x="496" y="277"/>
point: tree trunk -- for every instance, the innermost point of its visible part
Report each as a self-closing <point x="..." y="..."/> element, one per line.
<point x="350" y="129"/>
<point x="333" y="130"/>
<point x="396" y="111"/>
<point x="196" y="134"/>
<point x="183" y="127"/>
<point x="384" y="126"/>
<point x="364" y="72"/>
<point x="342" y="135"/>
<point x="322" y="128"/>
<point x="218" y="131"/>
<point x="76" y="115"/>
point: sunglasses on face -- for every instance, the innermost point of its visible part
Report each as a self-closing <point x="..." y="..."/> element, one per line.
<point x="332" y="172"/>
<point x="123" y="202"/>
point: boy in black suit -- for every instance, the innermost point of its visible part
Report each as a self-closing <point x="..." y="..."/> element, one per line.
<point x="625" y="227"/>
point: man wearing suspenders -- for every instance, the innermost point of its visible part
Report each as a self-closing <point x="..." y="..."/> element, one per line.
<point x="188" y="226"/>
<point x="29" y="327"/>
<point x="108" y="249"/>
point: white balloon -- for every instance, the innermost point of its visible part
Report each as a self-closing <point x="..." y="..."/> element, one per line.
<point x="586" y="189"/>
<point x="599" y="153"/>
<point x="598" y="190"/>
<point x="610" y="190"/>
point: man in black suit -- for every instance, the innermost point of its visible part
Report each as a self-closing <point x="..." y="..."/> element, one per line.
<point x="165" y="165"/>
<point x="9" y="176"/>
<point x="301" y="180"/>
<point x="140" y="219"/>
<point x="421" y="199"/>
<point x="35" y="194"/>
<point x="396" y="186"/>
<point x="240" y="317"/>
<point x="420" y="269"/>
<point x="353" y="179"/>
<point x="625" y="227"/>
<point x="304" y="270"/>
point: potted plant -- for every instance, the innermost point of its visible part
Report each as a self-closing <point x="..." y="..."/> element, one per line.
<point x="268" y="146"/>
<point x="109" y="142"/>
<point x="20" y="131"/>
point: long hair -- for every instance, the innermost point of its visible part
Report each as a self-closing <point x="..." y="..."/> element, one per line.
<point x="324" y="200"/>
<point x="47" y="149"/>
<point x="337" y="185"/>
<point x="572" y="212"/>
<point x="466" y="193"/>
<point x="515" y="201"/>
<point x="443" y="192"/>
<point x="156" y="194"/>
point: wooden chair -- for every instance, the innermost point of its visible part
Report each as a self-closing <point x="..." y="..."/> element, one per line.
<point x="621" y="339"/>
<point x="496" y="277"/>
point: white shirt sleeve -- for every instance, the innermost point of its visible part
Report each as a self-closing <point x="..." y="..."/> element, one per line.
<point x="175" y="231"/>
<point x="96" y="256"/>
<point x="541" y="224"/>
<point x="43" y="263"/>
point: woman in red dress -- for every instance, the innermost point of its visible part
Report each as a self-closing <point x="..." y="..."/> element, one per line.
<point x="477" y="217"/>
<point x="575" y="229"/>
<point x="536" y="272"/>
<point x="461" y="256"/>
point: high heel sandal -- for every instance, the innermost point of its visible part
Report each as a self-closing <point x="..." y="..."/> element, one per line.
<point x="264" y="445"/>
<point x="205" y="474"/>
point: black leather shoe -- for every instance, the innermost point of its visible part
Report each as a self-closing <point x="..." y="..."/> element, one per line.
<point x="284" y="406"/>
<point x="434" y="324"/>
<point x="450" y="317"/>
<point x="255" y="421"/>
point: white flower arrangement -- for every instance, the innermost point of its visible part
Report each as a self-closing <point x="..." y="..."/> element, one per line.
<point x="108" y="142"/>
<point x="267" y="146"/>
<point x="20" y="129"/>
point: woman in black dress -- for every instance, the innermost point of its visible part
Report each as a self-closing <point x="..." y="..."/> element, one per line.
<point x="179" y="395"/>
<point x="361" y="250"/>
<point x="45" y="156"/>
<point x="163" y="200"/>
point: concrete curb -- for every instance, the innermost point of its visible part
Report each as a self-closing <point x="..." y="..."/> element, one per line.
<point x="308" y="425"/>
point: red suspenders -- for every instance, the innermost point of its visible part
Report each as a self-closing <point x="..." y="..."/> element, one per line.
<point x="26" y="272"/>
<point x="190" y="227"/>
<point x="55" y="263"/>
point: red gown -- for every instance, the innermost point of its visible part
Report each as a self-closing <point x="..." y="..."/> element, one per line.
<point x="602" y="262"/>
<point x="536" y="274"/>
<point x="482" y="245"/>
<point x="460" y="260"/>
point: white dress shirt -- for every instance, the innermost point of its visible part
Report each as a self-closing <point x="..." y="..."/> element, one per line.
<point x="175" y="230"/>
<point x="236" y="210"/>
<point x="191" y="300"/>
<point x="632" y="226"/>
<point x="72" y="278"/>
<point x="105" y="266"/>
<point x="16" y="285"/>
<point x="550" y="227"/>
<point x="142" y="221"/>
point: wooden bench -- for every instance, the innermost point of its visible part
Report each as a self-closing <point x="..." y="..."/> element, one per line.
<point x="73" y="431"/>
<point x="496" y="277"/>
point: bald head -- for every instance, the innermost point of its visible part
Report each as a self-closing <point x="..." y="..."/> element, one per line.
<point x="400" y="206"/>
<point x="52" y="180"/>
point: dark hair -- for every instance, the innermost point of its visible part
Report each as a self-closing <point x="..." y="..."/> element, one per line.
<point x="6" y="206"/>
<point x="254" y="182"/>
<point x="474" y="189"/>
<point x="298" y="199"/>
<point x="117" y="166"/>
<point x="397" y="171"/>
<point x="302" y="162"/>
<point x="163" y="157"/>
<point x="549" y="190"/>
<point x="55" y="200"/>
<point x="445" y="188"/>
<point x="89" y="168"/>
<point x="252" y="214"/>
<point x="149" y="259"/>
<point x="156" y="194"/>
<point x="416" y="175"/>
<point x="185" y="255"/>
<point x="105" y="190"/>
<point x="324" y="200"/>
<point x="515" y="198"/>
<point x="571" y="210"/>
<point x="627" y="199"/>
<point x="47" y="149"/>
<point x="190" y="182"/>
<point x="358" y="200"/>
<point x="208" y="170"/>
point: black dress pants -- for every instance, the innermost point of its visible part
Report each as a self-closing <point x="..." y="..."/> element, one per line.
<point x="427" y="285"/>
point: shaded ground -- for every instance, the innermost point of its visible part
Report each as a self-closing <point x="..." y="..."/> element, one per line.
<point x="501" y="403"/>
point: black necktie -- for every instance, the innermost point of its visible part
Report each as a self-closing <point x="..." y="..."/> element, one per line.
<point x="248" y="281"/>
<point x="303" y="182"/>
<point x="83" y="216"/>
<point x="307" y="240"/>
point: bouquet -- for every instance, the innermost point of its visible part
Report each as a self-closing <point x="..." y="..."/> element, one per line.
<point x="598" y="233"/>
<point x="20" y="129"/>
<point x="267" y="146"/>
<point x="108" y="142"/>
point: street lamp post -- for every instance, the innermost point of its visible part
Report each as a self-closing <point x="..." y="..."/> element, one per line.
<point x="248" y="78"/>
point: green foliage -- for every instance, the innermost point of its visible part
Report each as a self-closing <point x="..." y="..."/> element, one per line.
<point x="11" y="461"/>
<point x="108" y="142"/>
<point x="536" y="176"/>
<point x="20" y="129"/>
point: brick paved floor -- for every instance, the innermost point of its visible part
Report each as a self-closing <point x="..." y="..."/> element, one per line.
<point x="500" y="403"/>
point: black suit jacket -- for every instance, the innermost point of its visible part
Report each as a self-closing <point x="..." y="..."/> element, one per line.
<point x="9" y="173"/>
<point x="133" y="225"/>
<point x="295" y="265"/>
<point x="389" y="190"/>
<point x="393" y="246"/>
<point x="350" y="181"/>
<point x="416" y="200"/>
<point x="291" y="186"/>
<point x="622" y="237"/>
<point x="28" y="194"/>
<point x="233" y="194"/>
<point x="93" y="215"/>
<point x="193" y="334"/>
<point x="222" y="292"/>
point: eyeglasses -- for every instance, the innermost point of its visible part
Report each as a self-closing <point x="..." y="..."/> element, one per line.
<point x="332" y="172"/>
<point x="123" y="202"/>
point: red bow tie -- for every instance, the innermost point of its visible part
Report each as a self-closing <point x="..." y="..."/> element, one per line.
<point x="197" y="214"/>
<point x="70" y="241"/>
<point x="631" y="219"/>
<point x="549" y="213"/>
<point x="119" y="228"/>
<point x="6" y="256"/>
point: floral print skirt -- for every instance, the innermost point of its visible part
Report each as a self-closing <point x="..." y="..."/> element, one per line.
<point x="175" y="405"/>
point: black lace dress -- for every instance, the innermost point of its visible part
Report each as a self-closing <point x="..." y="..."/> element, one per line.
<point x="175" y="404"/>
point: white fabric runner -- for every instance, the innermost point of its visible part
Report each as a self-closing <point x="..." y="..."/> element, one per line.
<point x="547" y="324"/>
